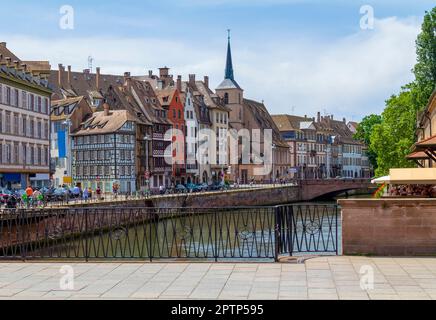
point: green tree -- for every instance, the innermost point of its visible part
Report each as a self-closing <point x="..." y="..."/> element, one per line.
<point x="363" y="134"/>
<point x="425" y="68"/>
<point x="392" y="138"/>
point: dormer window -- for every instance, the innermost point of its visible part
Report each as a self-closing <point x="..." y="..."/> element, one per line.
<point x="96" y="102"/>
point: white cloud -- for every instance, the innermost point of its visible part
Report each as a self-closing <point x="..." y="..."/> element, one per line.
<point x="350" y="76"/>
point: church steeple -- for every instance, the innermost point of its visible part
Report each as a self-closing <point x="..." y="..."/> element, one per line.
<point x="229" y="64"/>
<point x="229" y="78"/>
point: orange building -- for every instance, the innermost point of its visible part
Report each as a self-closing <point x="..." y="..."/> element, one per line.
<point x="171" y="101"/>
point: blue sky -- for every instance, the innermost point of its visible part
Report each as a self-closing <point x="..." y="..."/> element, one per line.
<point x="300" y="56"/>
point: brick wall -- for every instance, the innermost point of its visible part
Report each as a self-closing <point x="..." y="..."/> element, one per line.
<point x="394" y="227"/>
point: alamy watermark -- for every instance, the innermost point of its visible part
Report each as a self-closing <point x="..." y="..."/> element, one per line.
<point x="366" y="277"/>
<point x="66" y="21"/>
<point x="66" y="283"/>
<point x="223" y="147"/>
<point x="367" y="19"/>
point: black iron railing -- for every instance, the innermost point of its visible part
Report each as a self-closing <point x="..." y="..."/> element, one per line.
<point x="171" y="233"/>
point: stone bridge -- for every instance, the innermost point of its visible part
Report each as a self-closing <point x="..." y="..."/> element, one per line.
<point x="270" y="195"/>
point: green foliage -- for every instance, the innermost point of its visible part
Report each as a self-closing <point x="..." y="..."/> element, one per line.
<point x="363" y="133"/>
<point x="425" y="68"/>
<point x="390" y="140"/>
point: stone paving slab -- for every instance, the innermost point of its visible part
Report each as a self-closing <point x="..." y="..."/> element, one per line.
<point x="327" y="278"/>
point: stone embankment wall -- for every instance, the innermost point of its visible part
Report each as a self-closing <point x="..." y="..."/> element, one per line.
<point x="393" y="227"/>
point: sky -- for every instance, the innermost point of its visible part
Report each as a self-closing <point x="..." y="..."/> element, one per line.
<point x="298" y="56"/>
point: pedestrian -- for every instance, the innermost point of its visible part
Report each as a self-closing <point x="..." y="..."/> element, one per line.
<point x="90" y="193"/>
<point x="98" y="192"/>
<point x="85" y="194"/>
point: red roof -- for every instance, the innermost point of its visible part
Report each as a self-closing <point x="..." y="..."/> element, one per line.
<point x="420" y="155"/>
<point x="427" y="143"/>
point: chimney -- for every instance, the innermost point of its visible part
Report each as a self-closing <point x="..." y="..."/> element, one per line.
<point x="127" y="79"/>
<point x="344" y="120"/>
<point x="331" y="117"/>
<point x="97" y="78"/>
<point x="319" y="116"/>
<point x="206" y="81"/>
<point x="60" y="75"/>
<point x="163" y="72"/>
<point x="150" y="73"/>
<point x="69" y="75"/>
<point x="179" y="83"/>
<point x="3" y="44"/>
<point x="192" y="79"/>
<point x="106" y="109"/>
<point x="305" y="116"/>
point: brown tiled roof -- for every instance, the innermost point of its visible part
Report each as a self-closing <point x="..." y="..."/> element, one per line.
<point x="285" y="122"/>
<point x="5" y="52"/>
<point x="264" y="119"/>
<point x="111" y="87"/>
<point x="99" y="123"/>
<point x="165" y="94"/>
<point x="210" y="98"/>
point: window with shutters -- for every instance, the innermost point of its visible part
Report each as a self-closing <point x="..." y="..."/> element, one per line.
<point x="24" y="99"/>
<point x="8" y="96"/>
<point x="8" y="122"/>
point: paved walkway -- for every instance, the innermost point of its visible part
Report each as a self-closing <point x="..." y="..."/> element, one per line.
<point x="318" y="278"/>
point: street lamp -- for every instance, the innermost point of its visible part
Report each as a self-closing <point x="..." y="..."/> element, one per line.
<point x="147" y="138"/>
<point x="273" y="147"/>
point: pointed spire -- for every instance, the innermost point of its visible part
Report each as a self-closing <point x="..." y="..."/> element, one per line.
<point x="229" y="64"/>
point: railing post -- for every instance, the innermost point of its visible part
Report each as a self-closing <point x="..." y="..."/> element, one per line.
<point x="276" y="234"/>
<point x="215" y="237"/>
<point x="337" y="244"/>
<point x="86" y="213"/>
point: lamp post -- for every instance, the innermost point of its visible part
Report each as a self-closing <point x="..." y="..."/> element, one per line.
<point x="147" y="143"/>
<point x="273" y="147"/>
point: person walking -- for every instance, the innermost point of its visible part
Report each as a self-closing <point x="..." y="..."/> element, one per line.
<point x="85" y="194"/>
<point x="98" y="192"/>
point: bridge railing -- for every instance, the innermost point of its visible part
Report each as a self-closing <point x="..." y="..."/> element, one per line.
<point x="172" y="233"/>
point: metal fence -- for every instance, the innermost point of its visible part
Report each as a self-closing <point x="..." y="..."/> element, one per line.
<point x="172" y="233"/>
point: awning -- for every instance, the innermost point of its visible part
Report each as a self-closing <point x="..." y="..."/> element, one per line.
<point x="418" y="155"/>
<point x="381" y="180"/>
<point x="429" y="143"/>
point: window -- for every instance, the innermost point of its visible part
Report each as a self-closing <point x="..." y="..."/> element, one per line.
<point x="8" y="153"/>
<point x="24" y="99"/>
<point x="31" y="128"/>
<point x="39" y="129"/>
<point x="8" y="123"/>
<point x="16" y="98"/>
<point x="31" y="102"/>
<point x="8" y="95"/>
<point x="226" y="98"/>
<point x="38" y="105"/>
<point x="16" y="127"/>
